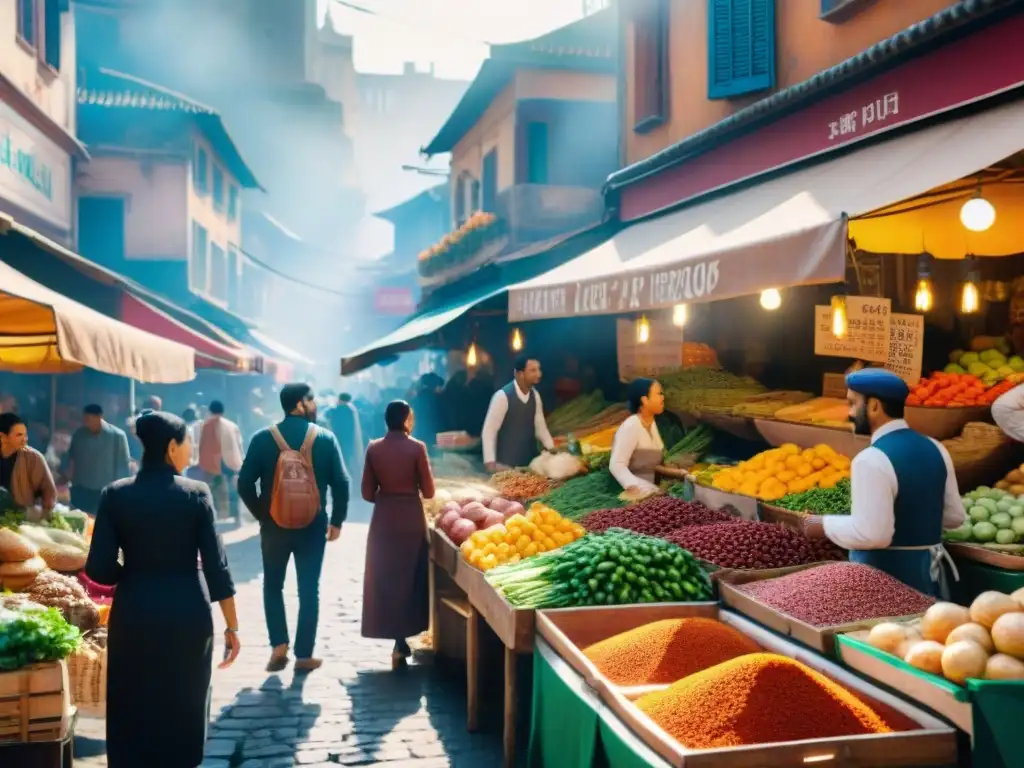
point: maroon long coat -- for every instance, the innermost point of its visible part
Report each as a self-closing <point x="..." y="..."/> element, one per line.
<point x="396" y="602"/>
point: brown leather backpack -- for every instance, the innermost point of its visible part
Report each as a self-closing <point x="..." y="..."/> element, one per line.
<point x="295" y="501"/>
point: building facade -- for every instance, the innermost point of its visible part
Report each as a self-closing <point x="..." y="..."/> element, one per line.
<point x="38" y="148"/>
<point x="699" y="75"/>
<point x="161" y="198"/>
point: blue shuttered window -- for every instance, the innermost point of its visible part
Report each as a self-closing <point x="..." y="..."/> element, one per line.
<point x="741" y="47"/>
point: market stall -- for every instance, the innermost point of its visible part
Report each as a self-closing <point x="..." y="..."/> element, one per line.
<point x="52" y="633"/>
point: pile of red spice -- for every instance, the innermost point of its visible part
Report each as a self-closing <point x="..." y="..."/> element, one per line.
<point x="838" y="593"/>
<point x="657" y="516"/>
<point x="759" y="698"/>
<point x="668" y="650"/>
<point x="750" y="545"/>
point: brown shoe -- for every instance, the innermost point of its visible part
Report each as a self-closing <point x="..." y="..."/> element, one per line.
<point x="307" y="665"/>
<point x="278" y="660"/>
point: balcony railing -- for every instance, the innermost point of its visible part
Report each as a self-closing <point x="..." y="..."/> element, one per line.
<point x="535" y="212"/>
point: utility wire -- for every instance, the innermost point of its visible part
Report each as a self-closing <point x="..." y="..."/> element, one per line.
<point x="284" y="276"/>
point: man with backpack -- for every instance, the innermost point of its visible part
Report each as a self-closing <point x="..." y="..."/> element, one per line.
<point x="295" y="462"/>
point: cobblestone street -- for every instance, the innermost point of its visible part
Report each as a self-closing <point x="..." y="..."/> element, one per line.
<point x="353" y="711"/>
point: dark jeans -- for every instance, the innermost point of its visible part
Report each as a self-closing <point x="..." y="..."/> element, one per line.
<point x="278" y="547"/>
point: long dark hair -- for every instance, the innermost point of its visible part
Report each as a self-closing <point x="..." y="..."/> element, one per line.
<point x="638" y="389"/>
<point x="156" y="430"/>
<point x="396" y="414"/>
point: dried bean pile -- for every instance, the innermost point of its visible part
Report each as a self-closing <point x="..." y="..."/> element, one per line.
<point x="759" y="698"/>
<point x="838" y="593"/>
<point x="517" y="485"/>
<point x="657" y="516"/>
<point x="746" y="544"/>
<point x="668" y="650"/>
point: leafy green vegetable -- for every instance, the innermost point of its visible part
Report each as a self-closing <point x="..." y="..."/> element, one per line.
<point x="820" y="501"/>
<point x="611" y="568"/>
<point x="596" y="490"/>
<point x="57" y="522"/>
<point x="12" y="518"/>
<point x="29" y="636"/>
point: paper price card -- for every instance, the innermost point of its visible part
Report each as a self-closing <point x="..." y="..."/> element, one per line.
<point x="906" y="346"/>
<point x="868" y="330"/>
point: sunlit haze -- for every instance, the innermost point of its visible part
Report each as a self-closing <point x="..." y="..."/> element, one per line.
<point x="451" y="34"/>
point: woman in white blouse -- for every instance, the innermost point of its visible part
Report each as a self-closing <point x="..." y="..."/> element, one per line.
<point x="638" y="448"/>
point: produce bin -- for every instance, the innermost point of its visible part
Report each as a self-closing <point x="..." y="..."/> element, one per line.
<point x="944" y="423"/>
<point x="990" y="711"/>
<point x="933" y="745"/>
<point x="821" y="639"/>
<point x="807" y="436"/>
<point x="572" y="728"/>
<point x="745" y="506"/>
<point x="1002" y="560"/>
<point x="768" y="513"/>
<point x="976" y="578"/>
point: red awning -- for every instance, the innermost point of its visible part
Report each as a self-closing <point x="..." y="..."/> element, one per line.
<point x="209" y="353"/>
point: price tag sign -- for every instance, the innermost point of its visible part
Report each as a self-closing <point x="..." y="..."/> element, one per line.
<point x="906" y="346"/>
<point x="662" y="352"/>
<point x="868" y="330"/>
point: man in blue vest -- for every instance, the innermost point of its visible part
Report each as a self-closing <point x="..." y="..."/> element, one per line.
<point x="903" y="488"/>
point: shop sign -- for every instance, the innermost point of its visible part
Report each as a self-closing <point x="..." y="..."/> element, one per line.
<point x="394" y="301"/>
<point x="35" y="173"/>
<point x="869" y="323"/>
<point x="923" y="87"/>
<point x="662" y="352"/>
<point x="906" y="346"/>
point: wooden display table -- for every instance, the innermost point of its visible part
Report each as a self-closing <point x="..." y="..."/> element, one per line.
<point x="513" y="627"/>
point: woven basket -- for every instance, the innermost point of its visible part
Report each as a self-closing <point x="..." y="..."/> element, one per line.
<point x="87" y="670"/>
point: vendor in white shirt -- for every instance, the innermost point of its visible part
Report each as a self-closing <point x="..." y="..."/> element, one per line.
<point x="515" y="420"/>
<point x="638" y="449"/>
<point x="903" y="488"/>
<point x="1008" y="413"/>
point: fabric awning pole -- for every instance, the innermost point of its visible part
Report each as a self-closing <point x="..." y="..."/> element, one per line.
<point x="131" y="397"/>
<point x="53" y="405"/>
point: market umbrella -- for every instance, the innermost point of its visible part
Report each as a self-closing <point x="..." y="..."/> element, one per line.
<point x="42" y="331"/>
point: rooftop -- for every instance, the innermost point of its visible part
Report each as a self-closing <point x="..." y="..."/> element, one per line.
<point x="113" y="90"/>
<point x="589" y="45"/>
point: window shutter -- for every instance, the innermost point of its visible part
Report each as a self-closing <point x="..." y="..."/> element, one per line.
<point x="51" y="33"/>
<point x="741" y="47"/>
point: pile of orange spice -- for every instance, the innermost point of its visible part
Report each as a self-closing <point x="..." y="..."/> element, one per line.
<point x="668" y="650"/>
<point x="760" y="698"/>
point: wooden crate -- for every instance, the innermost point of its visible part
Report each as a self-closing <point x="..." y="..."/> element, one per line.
<point x="569" y="630"/>
<point x="769" y="513"/>
<point x="821" y="639"/>
<point x="934" y="743"/>
<point x="993" y="557"/>
<point x="35" y="703"/>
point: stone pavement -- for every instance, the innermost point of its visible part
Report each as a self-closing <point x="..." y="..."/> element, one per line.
<point x="354" y="711"/>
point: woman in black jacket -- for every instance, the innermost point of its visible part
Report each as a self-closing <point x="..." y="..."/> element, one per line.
<point x="161" y="642"/>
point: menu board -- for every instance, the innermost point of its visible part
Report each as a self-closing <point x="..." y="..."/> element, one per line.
<point x="906" y="346"/>
<point x="662" y="352"/>
<point x="868" y="330"/>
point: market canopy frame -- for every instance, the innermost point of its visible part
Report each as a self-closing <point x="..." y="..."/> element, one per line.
<point x="788" y="231"/>
<point x="42" y="331"/>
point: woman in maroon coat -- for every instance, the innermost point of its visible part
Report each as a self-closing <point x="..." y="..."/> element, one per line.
<point x="395" y="476"/>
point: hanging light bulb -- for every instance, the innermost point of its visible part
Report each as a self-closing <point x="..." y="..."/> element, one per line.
<point x="643" y="330"/>
<point x="839" y="320"/>
<point x="771" y="299"/>
<point x="471" y="356"/>
<point x="679" y="315"/>
<point x="969" y="298"/>
<point x="978" y="214"/>
<point x="517" y="340"/>
<point x="924" y="295"/>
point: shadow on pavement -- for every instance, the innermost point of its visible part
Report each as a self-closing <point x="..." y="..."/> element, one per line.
<point x="271" y="723"/>
<point x="245" y="559"/>
<point x="416" y="713"/>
